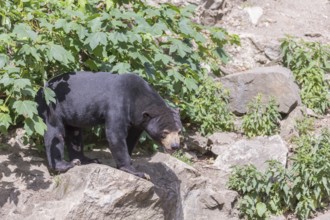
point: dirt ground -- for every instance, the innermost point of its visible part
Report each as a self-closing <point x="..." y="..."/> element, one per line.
<point x="301" y="18"/>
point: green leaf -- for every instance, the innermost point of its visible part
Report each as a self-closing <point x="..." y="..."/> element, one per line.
<point x="191" y="84"/>
<point x="165" y="59"/>
<point x="6" y="80"/>
<point x="121" y="68"/>
<point x="3" y="60"/>
<point x="49" y="95"/>
<point x="95" y="24"/>
<point x="261" y="209"/>
<point x="96" y="39"/>
<point x="5" y="121"/>
<point x="28" y="50"/>
<point x="180" y="47"/>
<point x="26" y="108"/>
<point x="186" y="28"/>
<point x="24" y="31"/>
<point x="219" y="35"/>
<point x="59" y="53"/>
<point x="21" y="84"/>
<point x="34" y="124"/>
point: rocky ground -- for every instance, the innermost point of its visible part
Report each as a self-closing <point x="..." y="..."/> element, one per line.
<point x="176" y="190"/>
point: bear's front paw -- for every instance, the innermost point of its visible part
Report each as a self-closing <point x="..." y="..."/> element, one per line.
<point x="76" y="162"/>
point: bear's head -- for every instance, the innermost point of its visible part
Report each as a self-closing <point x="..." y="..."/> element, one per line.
<point x="164" y="126"/>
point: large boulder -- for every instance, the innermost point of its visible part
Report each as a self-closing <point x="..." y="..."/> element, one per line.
<point x="94" y="192"/>
<point x="176" y="191"/>
<point x="186" y="193"/>
<point x="254" y="151"/>
<point x="220" y="140"/>
<point x="273" y="81"/>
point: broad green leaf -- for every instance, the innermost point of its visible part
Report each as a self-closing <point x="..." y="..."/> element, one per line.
<point x="121" y="68"/>
<point x="185" y="27"/>
<point x="44" y="23"/>
<point x="5" y="38"/>
<point x="59" y="53"/>
<point x="5" y="121"/>
<point x="3" y="107"/>
<point x="28" y="50"/>
<point x="180" y="47"/>
<point x="261" y="209"/>
<point x="21" y="83"/>
<point x="219" y="35"/>
<point x="60" y="23"/>
<point x="6" y="80"/>
<point x="159" y="28"/>
<point x="95" y="24"/>
<point x="34" y="124"/>
<point x="3" y="60"/>
<point x="191" y="84"/>
<point x="49" y="95"/>
<point x="26" y="108"/>
<point x="24" y="31"/>
<point x="96" y="39"/>
<point x="163" y="57"/>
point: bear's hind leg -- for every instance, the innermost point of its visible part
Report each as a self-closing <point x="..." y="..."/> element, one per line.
<point x="75" y="146"/>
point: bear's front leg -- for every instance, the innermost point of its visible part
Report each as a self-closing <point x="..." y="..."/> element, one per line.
<point x="116" y="136"/>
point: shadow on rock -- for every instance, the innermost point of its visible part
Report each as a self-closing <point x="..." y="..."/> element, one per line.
<point x="21" y="169"/>
<point x="167" y="187"/>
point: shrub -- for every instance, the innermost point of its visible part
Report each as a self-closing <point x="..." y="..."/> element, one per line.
<point x="209" y="107"/>
<point x="302" y="189"/>
<point x="40" y="39"/>
<point x="309" y="61"/>
<point x="261" y="119"/>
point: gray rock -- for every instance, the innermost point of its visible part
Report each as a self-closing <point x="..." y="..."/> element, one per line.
<point x="254" y="14"/>
<point x="196" y="142"/>
<point x="254" y="151"/>
<point x="277" y="217"/>
<point x="96" y="192"/>
<point x="288" y="125"/>
<point x="221" y="140"/>
<point x="188" y="194"/>
<point x="323" y="216"/>
<point x="274" y="82"/>
<point x="176" y="191"/>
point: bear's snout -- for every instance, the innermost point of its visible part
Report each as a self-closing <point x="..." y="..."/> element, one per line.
<point x="171" y="141"/>
<point x="175" y="146"/>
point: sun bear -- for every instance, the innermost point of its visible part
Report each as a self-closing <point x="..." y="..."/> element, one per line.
<point x="126" y="104"/>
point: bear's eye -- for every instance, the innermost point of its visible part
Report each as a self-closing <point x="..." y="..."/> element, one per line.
<point x="164" y="134"/>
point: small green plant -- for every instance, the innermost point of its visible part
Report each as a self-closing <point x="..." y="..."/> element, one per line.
<point x="57" y="180"/>
<point x="309" y="61"/>
<point x="179" y="154"/>
<point x="209" y="107"/>
<point x="261" y="119"/>
<point x="302" y="189"/>
<point x="304" y="125"/>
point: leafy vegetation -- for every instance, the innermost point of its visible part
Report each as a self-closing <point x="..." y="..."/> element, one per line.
<point x="301" y="189"/>
<point x="179" y="154"/>
<point x="41" y="39"/>
<point x="209" y="107"/>
<point x="309" y="61"/>
<point x="261" y="119"/>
